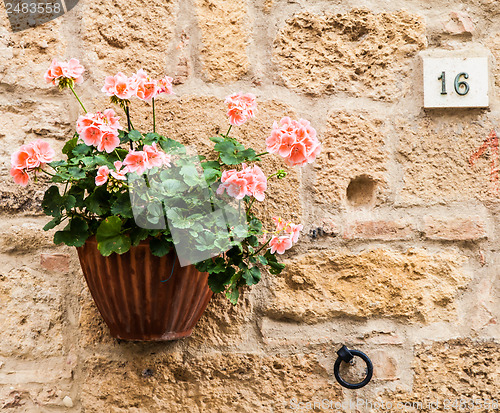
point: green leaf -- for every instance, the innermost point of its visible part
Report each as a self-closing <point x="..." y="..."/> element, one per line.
<point x="217" y="139"/>
<point x="56" y="164"/>
<point x="52" y="202"/>
<point x="137" y="235"/>
<point x="171" y="145"/>
<point x="69" y="202"/>
<point x="97" y="201"/>
<point x="122" y="206"/>
<point x="76" y="173"/>
<point x="69" y="146"/>
<point x="218" y="281"/>
<point x="81" y="149"/>
<point x="52" y="223"/>
<point x="75" y="234"/>
<point x="135" y="135"/>
<point x="233" y="294"/>
<point x="109" y="237"/>
<point x="275" y="266"/>
<point x="159" y="247"/>
<point x="251" y="275"/>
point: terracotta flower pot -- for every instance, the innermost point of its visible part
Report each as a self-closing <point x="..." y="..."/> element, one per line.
<point x="140" y="296"/>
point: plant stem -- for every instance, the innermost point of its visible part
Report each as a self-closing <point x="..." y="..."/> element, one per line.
<point x="250" y="206"/>
<point x="129" y="124"/>
<point x="154" y="116"/>
<point x="262" y="154"/>
<point x="118" y="155"/>
<point x="77" y="98"/>
<point x="229" y="130"/>
<point x="261" y="248"/>
<point x="48" y="173"/>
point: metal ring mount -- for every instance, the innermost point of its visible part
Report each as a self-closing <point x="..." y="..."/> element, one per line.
<point x="347" y="355"/>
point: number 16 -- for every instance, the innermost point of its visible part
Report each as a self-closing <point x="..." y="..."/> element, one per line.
<point x="461" y="86"/>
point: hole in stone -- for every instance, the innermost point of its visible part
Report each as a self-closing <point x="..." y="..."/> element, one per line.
<point x="361" y="191"/>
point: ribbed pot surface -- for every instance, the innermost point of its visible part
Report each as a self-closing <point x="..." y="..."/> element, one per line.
<point x="140" y="297"/>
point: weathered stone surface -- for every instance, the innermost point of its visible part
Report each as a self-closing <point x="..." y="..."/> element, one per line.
<point x="415" y="286"/>
<point x="209" y="383"/>
<point x="126" y="39"/>
<point x="434" y="153"/>
<point x="453" y="370"/>
<point x="359" y="52"/>
<point x="353" y="146"/>
<point x="493" y="43"/>
<point x="31" y="311"/>
<point x="58" y="262"/>
<point x="468" y="228"/>
<point x="26" y="55"/>
<point x="225" y="31"/>
<point x="381" y="230"/>
<point x="24" y="237"/>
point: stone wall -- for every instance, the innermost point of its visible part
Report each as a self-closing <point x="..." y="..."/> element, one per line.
<point x="399" y="256"/>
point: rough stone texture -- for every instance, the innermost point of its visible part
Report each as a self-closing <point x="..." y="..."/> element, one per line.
<point x="493" y="43"/>
<point x="475" y="366"/>
<point x="31" y="324"/>
<point x="225" y="30"/>
<point x="360" y="52"/>
<point x="25" y="237"/>
<point x="434" y="153"/>
<point x="15" y="199"/>
<point x="381" y="230"/>
<point x="413" y="286"/>
<point x="214" y="382"/>
<point x="126" y="39"/>
<point x="454" y="228"/>
<point x="26" y="55"/>
<point x="353" y="146"/>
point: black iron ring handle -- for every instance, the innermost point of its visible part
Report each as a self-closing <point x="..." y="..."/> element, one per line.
<point x="346" y="356"/>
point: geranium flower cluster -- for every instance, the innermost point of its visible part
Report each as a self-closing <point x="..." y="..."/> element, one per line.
<point x="286" y="234"/>
<point x="249" y="181"/>
<point x="139" y="85"/>
<point x="149" y="157"/>
<point x="240" y="108"/>
<point x="100" y="130"/>
<point x="28" y="158"/>
<point x="58" y="71"/>
<point x="103" y="173"/>
<point x="295" y="141"/>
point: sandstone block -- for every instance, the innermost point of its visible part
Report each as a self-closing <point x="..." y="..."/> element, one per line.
<point x="435" y="153"/>
<point x="32" y="312"/>
<point x="379" y="230"/>
<point x="353" y="152"/>
<point x="126" y="39"/>
<point x="455" y="228"/>
<point x="359" y="52"/>
<point x="455" y="370"/>
<point x="214" y="382"/>
<point x="225" y="32"/>
<point x="414" y="286"/>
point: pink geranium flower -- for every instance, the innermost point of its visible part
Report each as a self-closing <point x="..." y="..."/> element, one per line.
<point x="165" y="85"/>
<point x="32" y="156"/>
<point x="249" y="181"/>
<point x="294" y="231"/>
<point x="137" y="161"/>
<point x="102" y="175"/>
<point x="280" y="244"/>
<point x="20" y="176"/>
<point x="100" y="130"/>
<point x="240" y="108"/>
<point x="119" y="172"/>
<point x="64" y="70"/>
<point x="118" y="85"/>
<point x="295" y="141"/>
<point x="156" y="157"/>
<point x="109" y="142"/>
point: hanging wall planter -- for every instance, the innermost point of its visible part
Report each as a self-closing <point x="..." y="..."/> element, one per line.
<point x="144" y="297"/>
